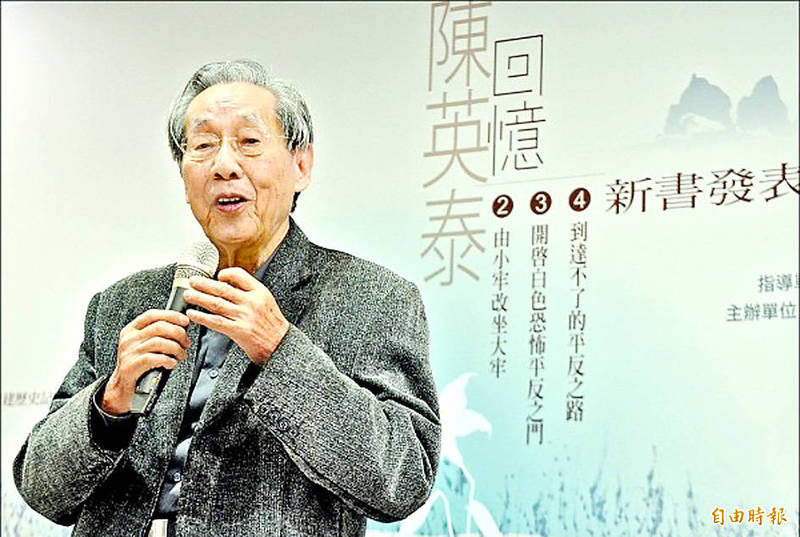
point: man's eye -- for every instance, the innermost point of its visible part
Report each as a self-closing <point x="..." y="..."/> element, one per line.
<point x="202" y="146"/>
<point x="250" y="141"/>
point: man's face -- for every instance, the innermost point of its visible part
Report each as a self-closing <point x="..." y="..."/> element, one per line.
<point x="241" y="201"/>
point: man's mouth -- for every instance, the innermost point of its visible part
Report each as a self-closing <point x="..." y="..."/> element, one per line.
<point x="230" y="203"/>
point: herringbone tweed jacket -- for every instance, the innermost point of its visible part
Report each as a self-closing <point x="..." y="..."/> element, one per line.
<point x="341" y="423"/>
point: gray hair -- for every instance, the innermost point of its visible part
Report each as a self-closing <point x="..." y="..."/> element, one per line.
<point x="290" y="107"/>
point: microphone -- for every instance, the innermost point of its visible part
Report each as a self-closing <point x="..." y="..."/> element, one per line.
<point x="199" y="259"/>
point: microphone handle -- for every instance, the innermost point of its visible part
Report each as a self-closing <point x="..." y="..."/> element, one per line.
<point x="149" y="385"/>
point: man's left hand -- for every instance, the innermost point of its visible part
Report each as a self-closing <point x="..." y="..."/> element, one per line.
<point x="240" y="307"/>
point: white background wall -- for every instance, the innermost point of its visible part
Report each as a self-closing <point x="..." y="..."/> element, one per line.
<point x="90" y="194"/>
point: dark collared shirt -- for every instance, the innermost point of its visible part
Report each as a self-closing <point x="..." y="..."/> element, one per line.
<point x="116" y="432"/>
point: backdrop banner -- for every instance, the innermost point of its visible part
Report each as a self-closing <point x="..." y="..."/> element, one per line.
<point x="598" y="201"/>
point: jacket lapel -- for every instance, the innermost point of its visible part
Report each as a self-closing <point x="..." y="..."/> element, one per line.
<point x="289" y="273"/>
<point x="288" y="277"/>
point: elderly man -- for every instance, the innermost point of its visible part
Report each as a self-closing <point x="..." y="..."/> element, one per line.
<point x="300" y="399"/>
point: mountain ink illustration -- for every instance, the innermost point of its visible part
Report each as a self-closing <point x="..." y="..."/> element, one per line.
<point x="706" y="109"/>
<point x="703" y="107"/>
<point x="763" y="109"/>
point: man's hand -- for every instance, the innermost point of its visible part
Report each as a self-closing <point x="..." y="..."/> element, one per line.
<point x="241" y="308"/>
<point x="156" y="338"/>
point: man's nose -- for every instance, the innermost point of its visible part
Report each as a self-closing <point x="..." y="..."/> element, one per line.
<point x="226" y="162"/>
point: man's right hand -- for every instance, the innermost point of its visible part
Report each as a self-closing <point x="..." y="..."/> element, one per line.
<point x="156" y="338"/>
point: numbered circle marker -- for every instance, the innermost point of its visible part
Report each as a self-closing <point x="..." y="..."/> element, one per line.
<point x="579" y="199"/>
<point x="541" y="202"/>
<point x="502" y="206"/>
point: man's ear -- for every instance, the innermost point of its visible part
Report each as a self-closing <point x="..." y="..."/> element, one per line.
<point x="185" y="189"/>
<point x="304" y="161"/>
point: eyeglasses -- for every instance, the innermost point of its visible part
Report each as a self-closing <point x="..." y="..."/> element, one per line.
<point x="204" y="146"/>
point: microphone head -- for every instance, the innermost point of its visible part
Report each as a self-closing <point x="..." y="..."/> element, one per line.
<point x="199" y="259"/>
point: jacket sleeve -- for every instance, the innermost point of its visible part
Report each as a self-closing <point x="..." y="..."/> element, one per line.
<point x="60" y="463"/>
<point x="372" y="438"/>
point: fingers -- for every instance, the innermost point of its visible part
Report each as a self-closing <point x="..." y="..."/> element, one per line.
<point x="240" y="307"/>
<point x="145" y="362"/>
<point x="159" y="360"/>
<point x="220" y="289"/>
<point x="239" y="278"/>
<point x="156" y="338"/>
<point x="128" y="373"/>
<point x="168" y="331"/>
<point x="151" y="316"/>
<point x="214" y="322"/>
<point x="161" y="341"/>
<point x="119" y="390"/>
<point x="212" y="303"/>
<point x="131" y="338"/>
<point x="162" y="345"/>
